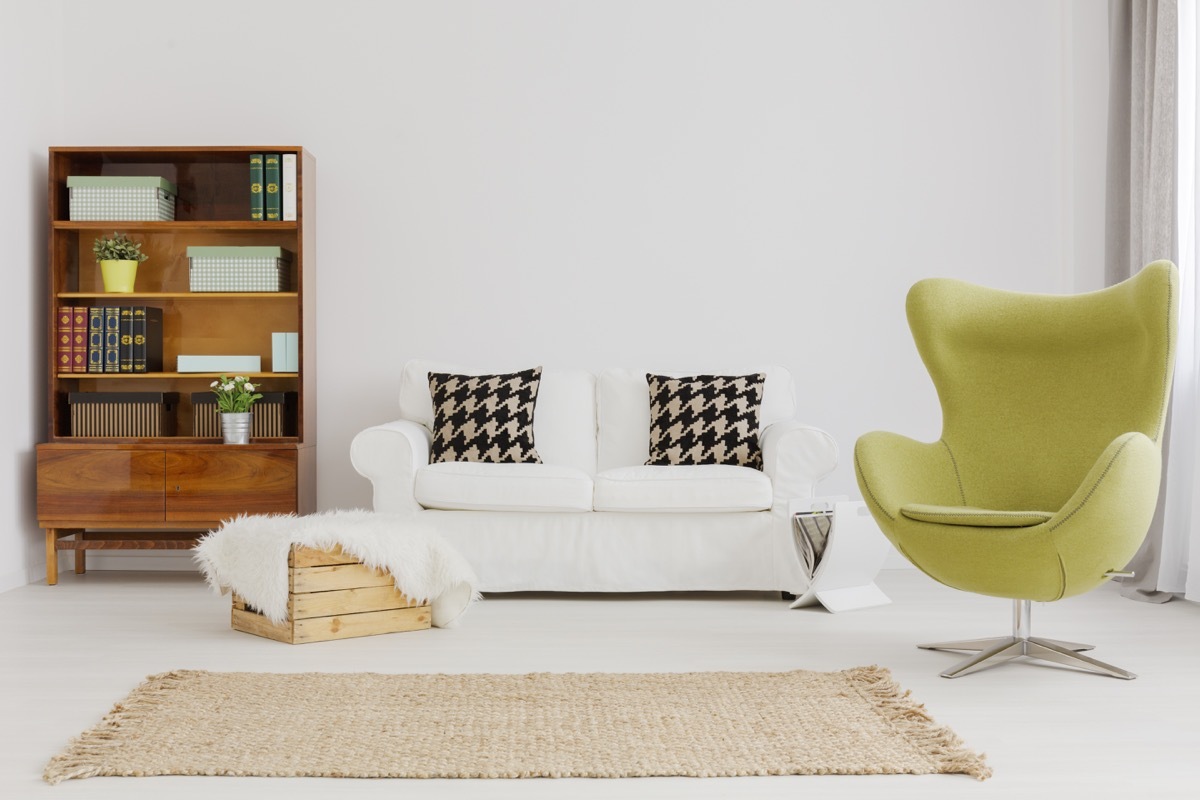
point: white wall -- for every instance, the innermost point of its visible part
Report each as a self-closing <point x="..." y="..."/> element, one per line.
<point x="30" y="92"/>
<point x="1086" y="90"/>
<point x="670" y="184"/>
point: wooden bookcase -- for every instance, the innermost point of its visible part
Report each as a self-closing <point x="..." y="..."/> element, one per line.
<point x="162" y="492"/>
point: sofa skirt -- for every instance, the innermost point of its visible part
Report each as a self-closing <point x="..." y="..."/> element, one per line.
<point x="601" y="551"/>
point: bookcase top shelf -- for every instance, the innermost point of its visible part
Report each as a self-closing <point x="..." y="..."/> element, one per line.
<point x="178" y="225"/>
<point x="177" y="152"/>
<point x="178" y="295"/>
<point x="122" y="376"/>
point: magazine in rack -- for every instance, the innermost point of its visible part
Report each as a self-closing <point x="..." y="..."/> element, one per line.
<point x="840" y="550"/>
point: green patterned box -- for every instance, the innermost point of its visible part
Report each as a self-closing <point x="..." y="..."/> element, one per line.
<point x="120" y="198"/>
<point x="238" y="269"/>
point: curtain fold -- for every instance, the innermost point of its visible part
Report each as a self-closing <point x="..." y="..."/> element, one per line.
<point x="1140" y="207"/>
<point x="1179" y="568"/>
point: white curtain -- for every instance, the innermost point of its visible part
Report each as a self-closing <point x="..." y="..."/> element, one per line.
<point x="1179" y="565"/>
<point x="1151" y="213"/>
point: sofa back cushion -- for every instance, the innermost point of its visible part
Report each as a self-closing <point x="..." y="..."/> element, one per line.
<point x="564" y="417"/>
<point x="623" y="410"/>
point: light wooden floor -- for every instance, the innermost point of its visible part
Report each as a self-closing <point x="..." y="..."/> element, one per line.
<point x="73" y="650"/>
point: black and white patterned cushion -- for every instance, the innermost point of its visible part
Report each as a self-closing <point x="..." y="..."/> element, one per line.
<point x="705" y="419"/>
<point x="484" y="417"/>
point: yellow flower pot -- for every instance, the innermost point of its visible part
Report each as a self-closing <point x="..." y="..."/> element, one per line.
<point x="118" y="275"/>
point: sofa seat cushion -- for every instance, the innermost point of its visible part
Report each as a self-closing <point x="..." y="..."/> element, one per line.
<point x="691" y="488"/>
<point x="475" y="486"/>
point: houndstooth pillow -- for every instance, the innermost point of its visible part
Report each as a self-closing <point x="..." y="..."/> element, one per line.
<point x="484" y="417"/>
<point x="705" y="419"/>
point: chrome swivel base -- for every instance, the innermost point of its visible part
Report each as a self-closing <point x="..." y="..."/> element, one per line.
<point x="1005" y="648"/>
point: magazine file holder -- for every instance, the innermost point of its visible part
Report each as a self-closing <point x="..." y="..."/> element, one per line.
<point x="854" y="553"/>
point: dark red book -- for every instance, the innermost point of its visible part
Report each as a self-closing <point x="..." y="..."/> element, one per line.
<point x="79" y="338"/>
<point x="63" y="352"/>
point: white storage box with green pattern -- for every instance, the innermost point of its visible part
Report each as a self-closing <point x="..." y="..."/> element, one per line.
<point x="120" y="198"/>
<point x="238" y="269"/>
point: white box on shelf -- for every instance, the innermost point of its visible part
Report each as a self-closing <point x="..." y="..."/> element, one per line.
<point x="238" y="269"/>
<point x="292" y="339"/>
<point x="279" y="360"/>
<point x="284" y="351"/>
<point x="120" y="198"/>
<point x="228" y="364"/>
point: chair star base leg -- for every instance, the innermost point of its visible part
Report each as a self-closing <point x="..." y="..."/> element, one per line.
<point x="973" y="645"/>
<point x="999" y="649"/>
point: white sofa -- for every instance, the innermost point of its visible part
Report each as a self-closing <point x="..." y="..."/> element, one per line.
<point x="592" y="517"/>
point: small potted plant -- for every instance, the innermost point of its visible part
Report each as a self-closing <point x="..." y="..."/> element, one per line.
<point x="235" y="398"/>
<point x="118" y="257"/>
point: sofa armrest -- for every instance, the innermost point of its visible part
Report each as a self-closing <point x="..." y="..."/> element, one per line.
<point x="389" y="455"/>
<point x="796" y="457"/>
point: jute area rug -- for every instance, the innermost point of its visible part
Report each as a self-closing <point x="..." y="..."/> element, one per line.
<point x="611" y="725"/>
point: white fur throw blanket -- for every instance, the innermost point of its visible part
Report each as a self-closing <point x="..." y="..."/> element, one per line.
<point x="250" y="556"/>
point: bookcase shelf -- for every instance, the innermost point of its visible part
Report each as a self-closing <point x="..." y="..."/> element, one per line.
<point x="178" y="225"/>
<point x="288" y="296"/>
<point x="133" y="376"/>
<point x="179" y="481"/>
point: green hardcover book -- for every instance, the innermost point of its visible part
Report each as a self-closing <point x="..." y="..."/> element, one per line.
<point x="147" y="339"/>
<point x="272" y="199"/>
<point x="125" y="346"/>
<point x="256" y="186"/>
<point x="112" y="339"/>
<point x="95" y="339"/>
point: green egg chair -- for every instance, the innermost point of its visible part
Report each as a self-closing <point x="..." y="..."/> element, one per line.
<point x="1046" y="476"/>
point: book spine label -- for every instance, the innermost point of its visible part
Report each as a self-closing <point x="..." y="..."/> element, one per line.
<point x="112" y="339"/>
<point x="79" y="338"/>
<point x="288" y="182"/>
<point x="64" y="352"/>
<point x="95" y="339"/>
<point x="125" y="346"/>
<point x="272" y="205"/>
<point x="256" y="186"/>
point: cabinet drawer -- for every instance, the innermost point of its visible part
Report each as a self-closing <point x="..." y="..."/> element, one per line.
<point x="219" y="484"/>
<point x="104" y="485"/>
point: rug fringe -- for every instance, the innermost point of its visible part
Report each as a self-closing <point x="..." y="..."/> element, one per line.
<point x="911" y="719"/>
<point x="85" y="756"/>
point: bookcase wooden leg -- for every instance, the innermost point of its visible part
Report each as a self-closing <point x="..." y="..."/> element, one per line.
<point x="80" y="556"/>
<point x="51" y="556"/>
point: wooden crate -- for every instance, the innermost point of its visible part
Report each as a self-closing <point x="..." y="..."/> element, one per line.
<point x="333" y="596"/>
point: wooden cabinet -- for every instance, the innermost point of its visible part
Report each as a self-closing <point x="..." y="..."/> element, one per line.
<point x="160" y="492"/>
<point x="201" y="483"/>
<point x="100" y="485"/>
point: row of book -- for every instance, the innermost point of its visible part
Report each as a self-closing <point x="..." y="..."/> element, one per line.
<point x="110" y="339"/>
<point x="273" y="186"/>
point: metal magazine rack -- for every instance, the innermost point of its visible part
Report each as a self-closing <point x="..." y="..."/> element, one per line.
<point x="841" y="551"/>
